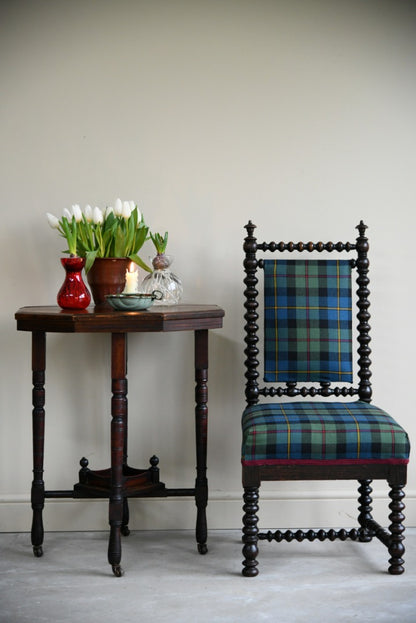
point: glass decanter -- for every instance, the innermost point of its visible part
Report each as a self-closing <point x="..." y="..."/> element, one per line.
<point x="164" y="280"/>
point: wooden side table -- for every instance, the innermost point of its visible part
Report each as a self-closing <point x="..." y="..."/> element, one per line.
<point x="120" y="481"/>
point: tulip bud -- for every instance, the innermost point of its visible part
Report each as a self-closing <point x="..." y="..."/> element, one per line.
<point x="118" y="207"/>
<point x="97" y="216"/>
<point x="108" y="211"/>
<point x="76" y="211"/>
<point x="67" y="214"/>
<point x="52" y="220"/>
<point x="139" y="216"/>
<point x="88" y="213"/>
<point x="126" y="212"/>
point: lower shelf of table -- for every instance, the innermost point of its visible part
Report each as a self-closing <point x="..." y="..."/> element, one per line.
<point x="135" y="483"/>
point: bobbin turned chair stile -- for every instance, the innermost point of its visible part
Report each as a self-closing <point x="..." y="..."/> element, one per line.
<point x="337" y="433"/>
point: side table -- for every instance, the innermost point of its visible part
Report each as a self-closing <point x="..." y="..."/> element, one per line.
<point x="120" y="481"/>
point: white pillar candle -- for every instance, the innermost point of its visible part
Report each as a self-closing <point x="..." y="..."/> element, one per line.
<point x="132" y="279"/>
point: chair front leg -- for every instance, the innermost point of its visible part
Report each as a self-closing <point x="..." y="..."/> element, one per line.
<point x="396" y="547"/>
<point x="250" y="531"/>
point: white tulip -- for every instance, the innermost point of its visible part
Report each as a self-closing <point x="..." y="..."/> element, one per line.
<point x="139" y="215"/>
<point x="97" y="216"/>
<point x="126" y="212"/>
<point x="52" y="220"/>
<point x="76" y="211"/>
<point x="88" y="213"/>
<point x="108" y="211"/>
<point x="118" y="207"/>
<point x="67" y="214"/>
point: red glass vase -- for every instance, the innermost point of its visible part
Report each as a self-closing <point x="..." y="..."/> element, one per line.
<point x="74" y="293"/>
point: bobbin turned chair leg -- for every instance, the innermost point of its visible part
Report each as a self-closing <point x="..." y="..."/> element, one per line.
<point x="396" y="528"/>
<point x="365" y="509"/>
<point x="250" y="531"/>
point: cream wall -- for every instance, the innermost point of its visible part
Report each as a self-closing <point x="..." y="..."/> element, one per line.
<point x="299" y="115"/>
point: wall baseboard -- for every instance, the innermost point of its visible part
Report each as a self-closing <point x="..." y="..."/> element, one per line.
<point x="277" y="510"/>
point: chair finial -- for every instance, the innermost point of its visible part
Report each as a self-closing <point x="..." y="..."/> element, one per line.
<point x="250" y="228"/>
<point x="361" y="228"/>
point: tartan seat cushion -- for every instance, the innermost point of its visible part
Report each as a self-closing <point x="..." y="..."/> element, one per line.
<point x="321" y="433"/>
<point x="307" y="320"/>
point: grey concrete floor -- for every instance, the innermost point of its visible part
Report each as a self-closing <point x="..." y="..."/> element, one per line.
<point x="166" y="580"/>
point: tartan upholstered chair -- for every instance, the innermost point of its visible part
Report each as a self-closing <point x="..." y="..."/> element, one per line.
<point x="328" y="432"/>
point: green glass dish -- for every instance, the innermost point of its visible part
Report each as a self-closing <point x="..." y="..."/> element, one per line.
<point x="133" y="302"/>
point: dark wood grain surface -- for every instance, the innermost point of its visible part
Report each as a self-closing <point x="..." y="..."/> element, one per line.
<point x="91" y="320"/>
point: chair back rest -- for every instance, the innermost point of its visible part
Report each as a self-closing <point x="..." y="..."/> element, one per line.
<point x="307" y="319"/>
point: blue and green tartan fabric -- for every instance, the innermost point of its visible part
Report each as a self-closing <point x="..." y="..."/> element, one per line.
<point x="321" y="432"/>
<point x="307" y="320"/>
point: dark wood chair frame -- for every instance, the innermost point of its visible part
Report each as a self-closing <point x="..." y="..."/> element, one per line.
<point x="252" y="476"/>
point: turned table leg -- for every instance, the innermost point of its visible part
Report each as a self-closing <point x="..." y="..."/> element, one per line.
<point x="38" y="432"/>
<point x="118" y="423"/>
<point x="201" y="423"/>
